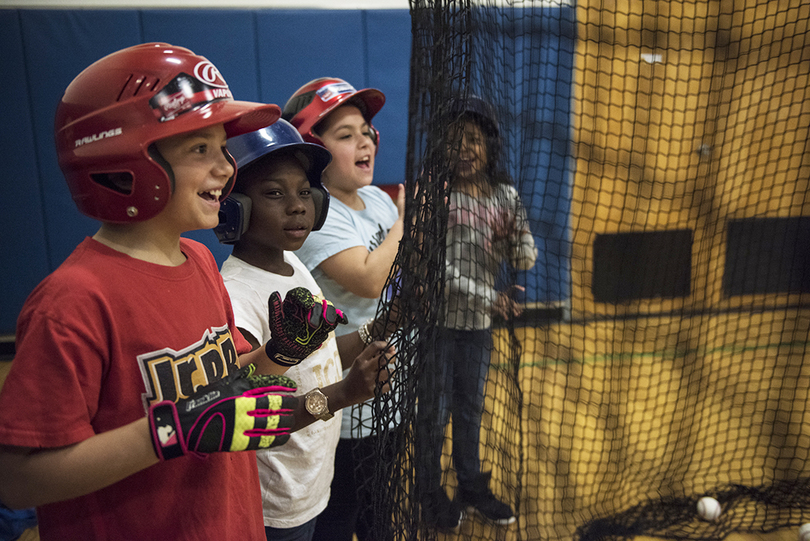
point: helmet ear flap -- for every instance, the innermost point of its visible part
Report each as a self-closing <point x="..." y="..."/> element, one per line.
<point x="320" y="196"/>
<point x="226" y="191"/>
<point x="234" y="218"/>
<point x="375" y="136"/>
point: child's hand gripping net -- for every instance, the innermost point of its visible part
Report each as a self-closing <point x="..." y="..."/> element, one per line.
<point x="299" y="325"/>
<point x="237" y="413"/>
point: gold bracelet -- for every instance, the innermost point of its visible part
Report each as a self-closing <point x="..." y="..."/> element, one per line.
<point x="362" y="331"/>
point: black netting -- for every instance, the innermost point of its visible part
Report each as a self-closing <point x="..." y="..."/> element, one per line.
<point x="660" y="153"/>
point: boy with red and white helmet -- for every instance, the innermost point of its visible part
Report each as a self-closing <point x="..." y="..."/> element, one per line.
<point x="350" y="257"/>
<point x="130" y="382"/>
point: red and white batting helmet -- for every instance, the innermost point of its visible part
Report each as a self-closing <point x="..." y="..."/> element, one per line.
<point x="313" y="102"/>
<point x="120" y="105"/>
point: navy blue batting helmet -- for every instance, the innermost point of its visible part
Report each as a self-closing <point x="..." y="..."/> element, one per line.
<point x="234" y="214"/>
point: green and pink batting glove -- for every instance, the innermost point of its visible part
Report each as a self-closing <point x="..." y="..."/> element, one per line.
<point x="299" y="325"/>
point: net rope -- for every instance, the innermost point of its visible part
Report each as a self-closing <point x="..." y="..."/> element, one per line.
<point x="660" y="151"/>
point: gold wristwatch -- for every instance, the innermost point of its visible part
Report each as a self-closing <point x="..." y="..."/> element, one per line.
<point x="317" y="405"/>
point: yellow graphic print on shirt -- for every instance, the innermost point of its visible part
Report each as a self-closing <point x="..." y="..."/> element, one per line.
<point x="171" y="375"/>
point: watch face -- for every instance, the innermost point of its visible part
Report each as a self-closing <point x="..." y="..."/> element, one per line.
<point x="316" y="403"/>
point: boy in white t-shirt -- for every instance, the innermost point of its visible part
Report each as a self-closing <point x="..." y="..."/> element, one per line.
<point x="278" y="199"/>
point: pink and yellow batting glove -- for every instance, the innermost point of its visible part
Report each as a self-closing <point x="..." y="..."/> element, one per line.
<point x="239" y="412"/>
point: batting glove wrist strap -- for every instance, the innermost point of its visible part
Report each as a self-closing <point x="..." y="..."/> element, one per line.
<point x="299" y="325"/>
<point x="237" y="413"/>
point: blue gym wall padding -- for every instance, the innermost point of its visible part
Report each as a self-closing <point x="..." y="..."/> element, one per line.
<point x="24" y="246"/>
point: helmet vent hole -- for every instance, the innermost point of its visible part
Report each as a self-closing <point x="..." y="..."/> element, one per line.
<point x="296" y="104"/>
<point x="126" y="91"/>
<point x="147" y="85"/>
<point x="120" y="182"/>
<point x="137" y="84"/>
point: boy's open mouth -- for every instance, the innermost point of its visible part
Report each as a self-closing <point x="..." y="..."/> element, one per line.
<point x="211" y="195"/>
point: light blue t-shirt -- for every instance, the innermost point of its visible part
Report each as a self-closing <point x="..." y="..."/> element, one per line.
<point x="346" y="228"/>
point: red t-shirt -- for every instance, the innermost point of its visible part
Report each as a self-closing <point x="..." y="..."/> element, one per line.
<point x="98" y="341"/>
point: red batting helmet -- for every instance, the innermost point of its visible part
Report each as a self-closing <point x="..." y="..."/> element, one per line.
<point x="311" y="103"/>
<point x="120" y="105"/>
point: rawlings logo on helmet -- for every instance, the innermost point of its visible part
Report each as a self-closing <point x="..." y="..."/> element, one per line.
<point x="99" y="136"/>
<point x="185" y="92"/>
<point x="209" y="74"/>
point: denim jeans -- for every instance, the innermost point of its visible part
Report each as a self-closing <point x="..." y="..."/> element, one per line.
<point x="298" y="533"/>
<point x="354" y="497"/>
<point x="455" y="373"/>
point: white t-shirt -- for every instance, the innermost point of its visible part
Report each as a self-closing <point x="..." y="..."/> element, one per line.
<point x="346" y="228"/>
<point x="295" y="477"/>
